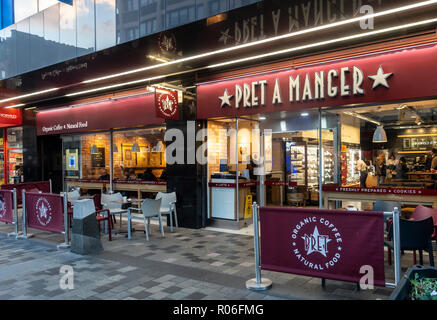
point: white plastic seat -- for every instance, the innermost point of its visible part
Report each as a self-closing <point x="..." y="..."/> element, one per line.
<point x="168" y="207"/>
<point x="113" y="204"/>
<point x="73" y="195"/>
<point x="149" y="208"/>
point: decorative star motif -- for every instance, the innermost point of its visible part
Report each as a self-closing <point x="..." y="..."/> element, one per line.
<point x="226" y="98"/>
<point x="316" y="243"/>
<point x="225" y="36"/>
<point x="380" y="78"/>
<point x="43" y="211"/>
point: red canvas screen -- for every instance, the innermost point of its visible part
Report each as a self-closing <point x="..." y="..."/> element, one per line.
<point x="44" y="211"/>
<point x="331" y="244"/>
<point x="6" y="206"/>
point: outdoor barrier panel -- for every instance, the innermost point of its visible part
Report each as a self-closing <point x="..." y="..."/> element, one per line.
<point x="44" y="211"/>
<point x="7" y="206"/>
<point x="329" y="244"/>
<point x="43" y="186"/>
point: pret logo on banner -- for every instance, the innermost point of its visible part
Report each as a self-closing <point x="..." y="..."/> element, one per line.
<point x="316" y="249"/>
<point x="167" y="104"/>
<point x="330" y="244"/>
<point x="44" y="211"/>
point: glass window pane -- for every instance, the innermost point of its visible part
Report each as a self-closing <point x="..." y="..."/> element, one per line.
<point x="85" y="27"/>
<point x="128" y="19"/>
<point x="10" y="47"/>
<point x="24" y="9"/>
<point x="208" y="8"/>
<point x="43" y="4"/>
<point x="178" y="12"/>
<point x="23" y="46"/>
<point x="51" y="35"/>
<point x="105" y="24"/>
<point x="67" y="37"/>
<point x="37" y="47"/>
<point x="145" y="163"/>
<point x="15" y="154"/>
<point x="152" y="16"/>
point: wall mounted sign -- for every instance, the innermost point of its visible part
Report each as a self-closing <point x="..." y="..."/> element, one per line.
<point x="10" y="117"/>
<point x="121" y="113"/>
<point x="400" y="75"/>
<point x="98" y="159"/>
<point x="167" y="104"/>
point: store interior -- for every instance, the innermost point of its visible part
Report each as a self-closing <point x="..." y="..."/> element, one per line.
<point x="405" y="131"/>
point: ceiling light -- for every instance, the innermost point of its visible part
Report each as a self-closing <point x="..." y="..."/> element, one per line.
<point x="262" y="118"/>
<point x="94" y="149"/>
<point x="15" y="106"/>
<point x="135" y="147"/>
<point x="250" y="44"/>
<point x="380" y="135"/>
<point x="304" y="114"/>
<point x="114" y="148"/>
<point x="29" y="95"/>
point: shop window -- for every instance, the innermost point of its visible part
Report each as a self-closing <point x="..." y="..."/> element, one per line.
<point x="139" y="154"/>
<point x="15" y="154"/>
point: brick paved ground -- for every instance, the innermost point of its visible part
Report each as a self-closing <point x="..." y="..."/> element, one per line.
<point x="186" y="264"/>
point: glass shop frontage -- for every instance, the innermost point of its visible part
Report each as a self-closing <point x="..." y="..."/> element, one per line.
<point x="111" y="145"/>
<point x="347" y="134"/>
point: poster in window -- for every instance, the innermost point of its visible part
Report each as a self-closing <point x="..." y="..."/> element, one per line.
<point x="71" y="156"/>
<point x="129" y="157"/>
<point x="98" y="159"/>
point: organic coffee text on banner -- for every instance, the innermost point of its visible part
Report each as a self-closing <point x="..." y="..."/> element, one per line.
<point x="329" y="244"/>
<point x="45" y="211"/>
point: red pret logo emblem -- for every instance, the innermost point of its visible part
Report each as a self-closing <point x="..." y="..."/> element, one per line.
<point x="167" y="104"/>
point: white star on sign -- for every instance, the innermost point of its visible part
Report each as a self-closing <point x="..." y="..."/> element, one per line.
<point x="380" y="78"/>
<point x="226" y="98"/>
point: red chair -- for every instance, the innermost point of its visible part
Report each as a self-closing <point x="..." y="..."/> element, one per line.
<point x="100" y="216"/>
<point x="422" y="213"/>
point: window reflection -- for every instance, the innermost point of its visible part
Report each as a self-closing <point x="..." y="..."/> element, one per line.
<point x="24" y="9"/>
<point x="44" y="4"/>
<point x="67" y="37"/>
<point x="152" y="16"/>
<point x="36" y="40"/>
<point x="105" y="24"/>
<point x="128" y="19"/>
<point x="85" y="26"/>
<point x="23" y="46"/>
<point x="51" y="35"/>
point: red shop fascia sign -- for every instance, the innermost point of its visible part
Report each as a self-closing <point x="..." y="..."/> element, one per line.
<point x="108" y="114"/>
<point x="10" y="117"/>
<point x="390" y="76"/>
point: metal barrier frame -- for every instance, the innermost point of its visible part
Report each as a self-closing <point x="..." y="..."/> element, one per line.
<point x="258" y="283"/>
<point x="66" y="232"/>
<point x="15" y="208"/>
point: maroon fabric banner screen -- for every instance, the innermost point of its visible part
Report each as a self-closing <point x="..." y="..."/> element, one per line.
<point x="6" y="206"/>
<point x="45" y="211"/>
<point x="329" y="244"/>
<point x="43" y="186"/>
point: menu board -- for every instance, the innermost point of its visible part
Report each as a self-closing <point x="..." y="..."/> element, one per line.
<point x="98" y="159"/>
<point x="419" y="143"/>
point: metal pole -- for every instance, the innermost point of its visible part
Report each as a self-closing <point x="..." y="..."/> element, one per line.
<point x="258" y="283"/>
<point x="111" y="160"/>
<point x="23" y="202"/>
<point x="262" y="189"/>
<point x="14" y="204"/>
<point x="237" y="192"/>
<point x="320" y="161"/>
<point x="66" y="244"/>
<point x="50" y="181"/>
<point x="397" y="245"/>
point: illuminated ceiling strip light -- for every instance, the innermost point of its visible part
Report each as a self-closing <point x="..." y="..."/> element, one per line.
<point x="114" y="86"/>
<point x="29" y="95"/>
<point x="418" y="135"/>
<point x="132" y="82"/>
<point x="318" y="44"/>
<point x="288" y="35"/>
<point x="15" y="106"/>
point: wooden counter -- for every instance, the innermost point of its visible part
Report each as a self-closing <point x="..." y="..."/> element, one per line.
<point x="118" y="185"/>
<point x="403" y="195"/>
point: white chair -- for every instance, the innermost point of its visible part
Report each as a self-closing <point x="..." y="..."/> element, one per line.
<point x="149" y="208"/>
<point x="168" y="206"/>
<point x="113" y="204"/>
<point x="73" y="195"/>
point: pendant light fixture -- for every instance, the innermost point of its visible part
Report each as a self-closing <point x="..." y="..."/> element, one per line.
<point x="114" y="148"/>
<point x="135" y="147"/>
<point x="379" y="136"/>
<point x="94" y="149"/>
